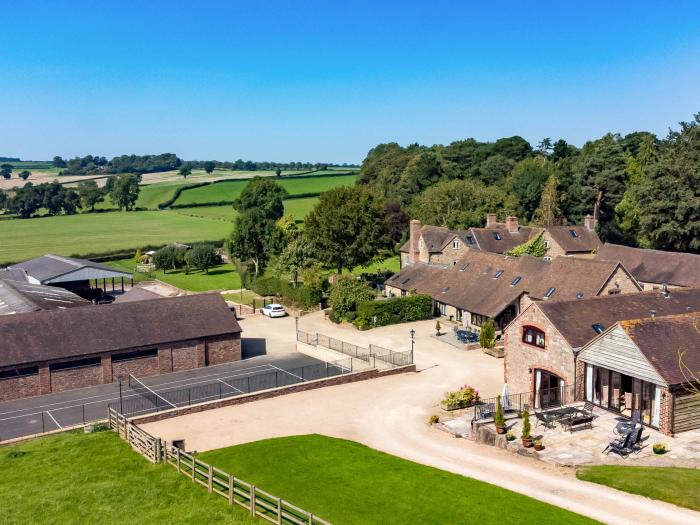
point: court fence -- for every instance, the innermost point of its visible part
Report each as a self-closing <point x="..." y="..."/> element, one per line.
<point x="149" y="401"/>
<point x="218" y="482"/>
<point x="376" y="356"/>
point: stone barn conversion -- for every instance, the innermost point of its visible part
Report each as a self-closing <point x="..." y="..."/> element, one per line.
<point x="544" y="348"/>
<point x="651" y="365"/>
<point x="55" y="350"/>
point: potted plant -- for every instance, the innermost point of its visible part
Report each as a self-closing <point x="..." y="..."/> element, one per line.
<point x="499" y="418"/>
<point x="437" y="328"/>
<point x="526" y="437"/>
<point x="538" y="444"/>
<point x="510" y="436"/>
<point x="659" y="448"/>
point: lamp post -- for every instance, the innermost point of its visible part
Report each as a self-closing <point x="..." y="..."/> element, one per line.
<point x="413" y="333"/>
<point x="296" y="325"/>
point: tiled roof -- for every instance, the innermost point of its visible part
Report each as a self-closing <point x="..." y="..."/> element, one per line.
<point x="499" y="240"/>
<point x="655" y="266"/>
<point x="49" y="267"/>
<point x="663" y="340"/>
<point x="74" y="332"/>
<point x="576" y="238"/>
<point x="574" y="319"/>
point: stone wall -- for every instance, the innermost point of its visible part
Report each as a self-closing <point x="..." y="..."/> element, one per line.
<point x="556" y="357"/>
<point x="620" y="280"/>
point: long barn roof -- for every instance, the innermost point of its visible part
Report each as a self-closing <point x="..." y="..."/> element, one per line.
<point x="49" y="269"/>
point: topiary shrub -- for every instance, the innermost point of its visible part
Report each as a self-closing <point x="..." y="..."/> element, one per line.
<point x="526" y="426"/>
<point x="487" y="337"/>
<point x="499" y="418"/>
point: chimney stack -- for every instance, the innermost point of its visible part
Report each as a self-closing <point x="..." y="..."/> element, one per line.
<point x="512" y="224"/>
<point x="491" y="220"/>
<point x="414" y="237"/>
<point x="590" y="222"/>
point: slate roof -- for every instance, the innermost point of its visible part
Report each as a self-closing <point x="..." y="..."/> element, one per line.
<point x="574" y="319"/>
<point x="662" y="339"/>
<point x="137" y="293"/>
<point x="581" y="240"/>
<point x="655" y="266"/>
<point x="50" y="267"/>
<point x="471" y="284"/>
<point x="75" y="332"/>
<point x="19" y="296"/>
<point x="436" y="237"/>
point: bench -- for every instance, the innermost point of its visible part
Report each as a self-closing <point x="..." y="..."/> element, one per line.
<point x="577" y="421"/>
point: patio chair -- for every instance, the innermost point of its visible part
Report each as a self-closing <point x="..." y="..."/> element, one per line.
<point x="627" y="426"/>
<point x="545" y="419"/>
<point x="620" y="445"/>
<point x="588" y="407"/>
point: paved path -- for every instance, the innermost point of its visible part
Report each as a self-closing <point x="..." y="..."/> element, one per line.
<point x="390" y="414"/>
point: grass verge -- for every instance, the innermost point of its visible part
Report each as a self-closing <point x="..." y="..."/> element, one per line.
<point x="97" y="478"/>
<point x="347" y="483"/>
<point x="680" y="486"/>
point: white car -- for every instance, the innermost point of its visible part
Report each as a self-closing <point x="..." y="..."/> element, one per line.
<point x="274" y="310"/>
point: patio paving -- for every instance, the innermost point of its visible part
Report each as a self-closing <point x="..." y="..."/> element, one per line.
<point x="583" y="447"/>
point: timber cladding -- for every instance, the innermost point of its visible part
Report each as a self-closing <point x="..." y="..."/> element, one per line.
<point x="686" y="409"/>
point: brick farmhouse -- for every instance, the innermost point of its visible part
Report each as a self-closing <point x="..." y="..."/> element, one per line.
<point x="54" y="350"/>
<point x="546" y="353"/>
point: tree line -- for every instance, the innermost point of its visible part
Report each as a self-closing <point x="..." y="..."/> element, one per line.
<point x="54" y="198"/>
<point x="645" y="190"/>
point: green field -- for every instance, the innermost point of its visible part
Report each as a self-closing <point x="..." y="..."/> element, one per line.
<point x="88" y="233"/>
<point x="680" y="486"/>
<point x="347" y="483"/>
<point x="230" y="190"/>
<point x="221" y="277"/>
<point x="298" y="208"/>
<point x="97" y="478"/>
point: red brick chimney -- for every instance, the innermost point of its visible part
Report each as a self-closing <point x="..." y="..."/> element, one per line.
<point x="414" y="238"/>
<point x="590" y="222"/>
<point x="512" y="224"/>
<point x="491" y="220"/>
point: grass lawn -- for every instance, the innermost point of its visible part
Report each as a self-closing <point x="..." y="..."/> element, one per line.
<point x="150" y="196"/>
<point x="83" y="234"/>
<point x="230" y="190"/>
<point x="244" y="297"/>
<point x="97" y="478"/>
<point x="680" y="486"/>
<point x="298" y="208"/>
<point x="345" y="482"/>
<point x="392" y="263"/>
<point x="221" y="277"/>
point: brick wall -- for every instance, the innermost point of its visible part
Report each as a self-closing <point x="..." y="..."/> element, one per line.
<point x="71" y="378"/>
<point x="187" y="355"/>
<point x="580" y="380"/>
<point x="554" y="249"/>
<point x="223" y="349"/>
<point x="666" y="412"/>
<point x="556" y="357"/>
<point x="141" y="367"/>
<point x="19" y="387"/>
<point x="450" y="255"/>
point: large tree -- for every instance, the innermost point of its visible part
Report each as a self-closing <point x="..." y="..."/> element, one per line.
<point x="548" y="212"/>
<point x="209" y="166"/>
<point x="263" y="194"/>
<point x="668" y="196"/>
<point x="125" y="192"/>
<point x="255" y="239"/>
<point x="347" y="227"/>
<point x="526" y="183"/>
<point x="461" y="203"/>
<point x="6" y="170"/>
<point x="90" y="194"/>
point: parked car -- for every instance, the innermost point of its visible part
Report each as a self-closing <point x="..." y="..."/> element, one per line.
<point x="274" y="310"/>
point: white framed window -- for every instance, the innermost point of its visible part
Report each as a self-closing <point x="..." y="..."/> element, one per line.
<point x="456" y="244"/>
<point x="546" y="244"/>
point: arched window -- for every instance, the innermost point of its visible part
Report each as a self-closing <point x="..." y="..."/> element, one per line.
<point x="533" y="336"/>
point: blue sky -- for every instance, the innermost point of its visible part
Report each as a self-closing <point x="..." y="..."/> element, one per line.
<point x="326" y="81"/>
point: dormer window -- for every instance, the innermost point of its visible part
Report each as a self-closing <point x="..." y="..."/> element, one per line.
<point x="573" y="233"/>
<point x="497" y="236"/>
<point x="470" y="239"/>
<point x="455" y="244"/>
<point x="550" y="292"/>
<point x="533" y="336"/>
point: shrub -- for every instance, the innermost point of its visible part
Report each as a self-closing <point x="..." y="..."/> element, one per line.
<point x="301" y="296"/>
<point x="433" y="419"/>
<point x="659" y="448"/>
<point x="526" y="425"/>
<point x="510" y="436"/>
<point x="267" y="285"/>
<point x="391" y="311"/>
<point x="499" y="417"/>
<point x="169" y="258"/>
<point x="462" y="398"/>
<point x="487" y="337"/>
<point x="347" y="293"/>
<point x="350" y="316"/>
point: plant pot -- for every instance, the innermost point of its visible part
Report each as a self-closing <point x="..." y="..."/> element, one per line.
<point x="538" y="446"/>
<point x="500" y="429"/>
<point x="527" y="442"/>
